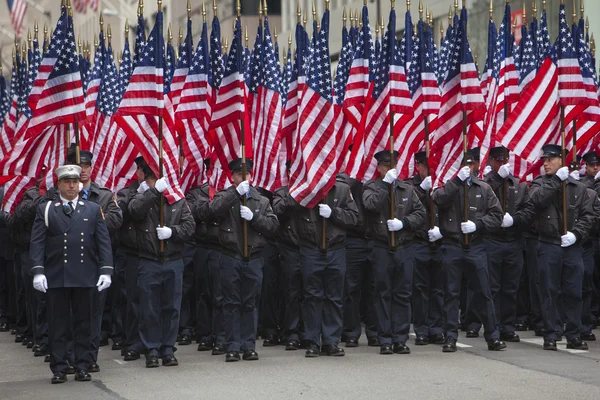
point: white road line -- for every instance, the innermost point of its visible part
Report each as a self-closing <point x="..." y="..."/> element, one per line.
<point x="119" y="362"/>
<point x="562" y="346"/>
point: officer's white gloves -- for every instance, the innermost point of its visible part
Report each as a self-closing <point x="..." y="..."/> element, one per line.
<point x="243" y="188"/>
<point x="464" y="173"/>
<point x="508" y="221"/>
<point x="575" y="175"/>
<point x="246" y="213"/>
<point x="161" y="185"/>
<point x="567" y="240"/>
<point x="468" y="227"/>
<point x="426" y="184"/>
<point x="394" y="225"/>
<point x="40" y="283"/>
<point x="597" y="176"/>
<point x="163" y="232"/>
<point x="487" y="170"/>
<point x="434" y="234"/>
<point x="143" y="187"/>
<point x="563" y="173"/>
<point x="391" y="176"/>
<point x="324" y="210"/>
<point x="504" y="171"/>
<point x="103" y="282"/>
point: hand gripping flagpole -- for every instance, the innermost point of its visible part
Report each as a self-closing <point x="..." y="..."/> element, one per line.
<point x="160" y="157"/>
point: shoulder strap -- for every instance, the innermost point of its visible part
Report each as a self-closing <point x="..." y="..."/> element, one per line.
<point x="46" y="211"/>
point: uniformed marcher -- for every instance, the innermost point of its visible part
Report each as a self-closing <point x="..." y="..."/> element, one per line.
<point x="71" y="256"/>
<point x="160" y="274"/>
<point x="241" y="275"/>
<point x="485" y="213"/>
<point x="428" y="276"/>
<point x="560" y="263"/>
<point x="392" y="264"/>
<point x="323" y="270"/>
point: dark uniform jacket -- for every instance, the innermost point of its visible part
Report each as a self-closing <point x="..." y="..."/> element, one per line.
<point x="21" y="222"/>
<point x="106" y="199"/>
<point x="517" y="196"/>
<point x="408" y="209"/>
<point x="226" y="208"/>
<point x="545" y="206"/>
<point x="144" y="208"/>
<point x="344" y="215"/>
<point x="422" y="234"/>
<point x="356" y="187"/>
<point x="594" y="185"/>
<point x="285" y="207"/>
<point x="207" y="227"/>
<point x="72" y="251"/>
<point x="127" y="236"/>
<point x="484" y="210"/>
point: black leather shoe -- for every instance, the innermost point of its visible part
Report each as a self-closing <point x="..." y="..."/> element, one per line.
<point x="421" y="341"/>
<point x="29" y="344"/>
<point x="82" y="376"/>
<point x="590" y="337"/>
<point x="438" y="338"/>
<point x="185" y="340"/>
<point x="169" y="361"/>
<point x="70" y="370"/>
<point x="19" y="338"/>
<point x="35" y="348"/>
<point x="292" y="345"/>
<point x="312" y="351"/>
<point x="559" y="338"/>
<point x="59" y="377"/>
<point x="232" y="356"/>
<point x="373" y="342"/>
<point x="205" y="346"/>
<point x="218" y="351"/>
<point x="118" y="345"/>
<point x="93" y="367"/>
<point x="131" y="355"/>
<point x="386" y="349"/>
<point x="4" y="327"/>
<point x="496" y="345"/>
<point x="550" y="345"/>
<point x="471" y="333"/>
<point x="351" y="343"/>
<point x="577" y="344"/>
<point x="449" y="346"/>
<point x="538" y="332"/>
<point x="270" y="341"/>
<point x="401" y="348"/>
<point x="103" y="342"/>
<point x="510" y="337"/>
<point x="521" y="327"/>
<point x="333" y="351"/>
<point x="152" y="362"/>
<point x="47" y="358"/>
<point x="250" y="355"/>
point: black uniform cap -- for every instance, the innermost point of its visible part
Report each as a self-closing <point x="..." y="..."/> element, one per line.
<point x="236" y="165"/>
<point x="551" y="151"/>
<point x="498" y="153"/>
<point x="84" y="155"/>
<point x="591" y="157"/>
<point x="383" y="156"/>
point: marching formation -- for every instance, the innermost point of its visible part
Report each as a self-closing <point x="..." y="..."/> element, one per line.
<point x="218" y="197"/>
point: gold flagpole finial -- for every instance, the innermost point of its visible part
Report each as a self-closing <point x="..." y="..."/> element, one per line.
<point x="265" y="9"/>
<point x="574" y="15"/>
<point x="314" y="10"/>
<point x="587" y="26"/>
<point x="382" y="26"/>
<point x="109" y="34"/>
<point x="581" y="9"/>
<point x="534" y="8"/>
<point x="246" y="38"/>
<point x="450" y="16"/>
<point x="95" y="42"/>
<point x="29" y="38"/>
<point x="203" y="11"/>
<point x="377" y="31"/>
<point x="35" y="30"/>
<point x="304" y="19"/>
<point x="327" y="4"/>
<point x="180" y="35"/>
<point x="420" y="10"/>
<point x="464" y="3"/>
<point x="238" y="8"/>
<point x="169" y="35"/>
<point x="275" y="33"/>
<point x="456" y="6"/>
<point x="214" y="8"/>
<point x="290" y="42"/>
<point x="543" y="5"/>
<point x="260" y="10"/>
<point x="344" y="17"/>
<point x="524" y="14"/>
<point x="299" y="13"/>
<point x="189" y="9"/>
<point x="101" y="22"/>
<point x="491" y="9"/>
<point x="126" y="29"/>
<point x="79" y="45"/>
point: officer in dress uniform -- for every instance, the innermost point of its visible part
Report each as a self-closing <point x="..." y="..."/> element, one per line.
<point x="241" y="275"/>
<point x="160" y="277"/>
<point x="392" y="264"/>
<point x="560" y="263"/>
<point x="105" y="198"/>
<point x="71" y="256"/>
<point x="485" y="213"/>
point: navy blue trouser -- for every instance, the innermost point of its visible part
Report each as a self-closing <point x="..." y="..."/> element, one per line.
<point x="98" y="302"/>
<point x="271" y="307"/>
<point x="241" y="285"/>
<point x="187" y="319"/>
<point x="119" y="298"/>
<point x="474" y="264"/>
<point x="393" y="275"/>
<point x="30" y="302"/>
<point x="534" y="283"/>
<point x="21" y="306"/>
<point x="132" y="319"/>
<point x="358" y="264"/>
<point x="560" y="271"/>
<point x="160" y="286"/>
<point x="596" y="279"/>
<point x="428" y="291"/>
<point x="587" y="291"/>
<point x="209" y="296"/>
<point x="36" y="303"/>
<point x="291" y="287"/>
<point x="523" y="300"/>
<point x="323" y="279"/>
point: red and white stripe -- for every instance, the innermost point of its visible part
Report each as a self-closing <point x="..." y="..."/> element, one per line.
<point x="357" y="90"/>
<point x="145" y="93"/>
<point x="14" y="190"/>
<point x="17" y="15"/>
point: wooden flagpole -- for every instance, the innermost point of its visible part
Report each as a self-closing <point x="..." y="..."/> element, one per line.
<point x="243" y="138"/>
<point x="160" y="159"/>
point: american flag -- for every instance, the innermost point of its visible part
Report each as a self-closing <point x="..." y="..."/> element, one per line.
<point x="529" y="59"/>
<point x="170" y="61"/>
<point x="186" y="55"/>
<point x="140" y="40"/>
<point x="253" y="78"/>
<point x="445" y="51"/>
<point x="296" y="86"/>
<point x="17" y="10"/>
<point x="81" y="6"/>
<point x="3" y="100"/>
<point x="10" y="121"/>
<point x="93" y="88"/>
<point x="285" y="151"/>
<point x="313" y="172"/>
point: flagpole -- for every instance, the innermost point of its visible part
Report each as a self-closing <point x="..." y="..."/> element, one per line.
<point x="563" y="154"/>
<point x="465" y="182"/>
<point x="506" y="108"/>
<point x="160" y="157"/>
<point x="243" y="139"/>
<point x="393" y="185"/>
<point x="324" y="201"/>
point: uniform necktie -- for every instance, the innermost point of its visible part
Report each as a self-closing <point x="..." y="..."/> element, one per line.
<point x="71" y="207"/>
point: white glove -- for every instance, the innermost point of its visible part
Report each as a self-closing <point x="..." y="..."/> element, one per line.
<point x="575" y="175"/>
<point x="508" y="221"/>
<point x="103" y="282"/>
<point x="434" y="234"/>
<point x="324" y="210"/>
<point x="143" y="187"/>
<point x="597" y="176"/>
<point x="243" y="188"/>
<point x="426" y="184"/>
<point x="163" y="232"/>
<point x="161" y="185"/>
<point x="391" y="176"/>
<point x="567" y="240"/>
<point x="487" y="170"/>
<point x="504" y="171"/>
<point x="563" y="173"/>
<point x="468" y="227"/>
<point x="246" y="213"/>
<point x="394" y="225"/>
<point x="40" y="283"/>
<point x="464" y="173"/>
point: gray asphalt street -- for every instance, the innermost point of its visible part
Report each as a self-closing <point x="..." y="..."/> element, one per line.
<point x="523" y="371"/>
